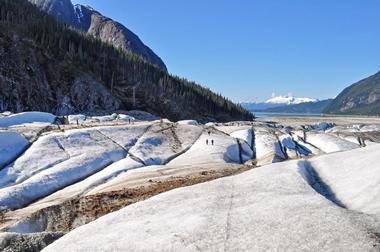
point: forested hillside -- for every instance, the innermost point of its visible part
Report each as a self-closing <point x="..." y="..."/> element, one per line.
<point x="86" y="19"/>
<point x="362" y="98"/>
<point x="48" y="66"/>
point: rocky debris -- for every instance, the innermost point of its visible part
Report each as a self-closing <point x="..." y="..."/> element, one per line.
<point x="32" y="242"/>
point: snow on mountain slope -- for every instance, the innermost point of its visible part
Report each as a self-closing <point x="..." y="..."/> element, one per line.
<point x="270" y="208"/>
<point x="12" y="144"/>
<point x="27" y="118"/>
<point x="289" y="100"/>
<point x="280" y="103"/>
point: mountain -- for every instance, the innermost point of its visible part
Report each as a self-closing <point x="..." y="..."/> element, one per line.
<point x="305" y="107"/>
<point x="361" y="98"/>
<point x="89" y="20"/>
<point x="47" y="66"/>
<point x="275" y="101"/>
<point x="289" y="100"/>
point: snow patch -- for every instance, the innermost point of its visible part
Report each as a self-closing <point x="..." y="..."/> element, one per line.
<point x="26" y="118"/>
<point x="12" y="144"/>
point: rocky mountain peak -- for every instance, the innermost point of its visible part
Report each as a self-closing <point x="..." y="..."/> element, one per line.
<point x="87" y="19"/>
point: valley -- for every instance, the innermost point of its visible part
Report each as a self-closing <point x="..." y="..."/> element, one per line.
<point x="105" y="145"/>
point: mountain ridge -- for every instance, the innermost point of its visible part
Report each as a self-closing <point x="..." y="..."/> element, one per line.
<point x="316" y="107"/>
<point x="362" y="97"/>
<point x="276" y="101"/>
<point x="91" y="21"/>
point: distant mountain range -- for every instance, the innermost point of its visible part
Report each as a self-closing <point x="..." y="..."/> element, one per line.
<point x="276" y="102"/>
<point x="289" y="100"/>
<point x="88" y="20"/>
<point x="316" y="107"/>
<point x="361" y="98"/>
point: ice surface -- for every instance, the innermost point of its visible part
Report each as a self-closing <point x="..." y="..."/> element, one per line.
<point x="125" y="118"/>
<point x="323" y="126"/>
<point x="353" y="177"/>
<point x="76" y="119"/>
<point x="272" y="208"/>
<point x="267" y="146"/>
<point x="164" y="141"/>
<point x="224" y="150"/>
<point x="12" y="144"/>
<point x="58" y="160"/>
<point x="108" y="174"/>
<point x="329" y="143"/>
<point x="188" y="122"/>
<point x="26" y="118"/>
<point x="46" y="152"/>
<point x="245" y="134"/>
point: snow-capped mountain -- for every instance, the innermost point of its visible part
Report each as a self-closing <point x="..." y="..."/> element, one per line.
<point x="289" y="100"/>
<point x="276" y="101"/>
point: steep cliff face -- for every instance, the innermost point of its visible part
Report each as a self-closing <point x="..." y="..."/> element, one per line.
<point x="31" y="79"/>
<point x="116" y="34"/>
<point x="362" y="97"/>
<point x="89" y="20"/>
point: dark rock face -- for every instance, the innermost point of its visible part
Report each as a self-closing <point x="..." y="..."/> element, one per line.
<point x="89" y="20"/>
<point x="116" y="34"/>
<point x="362" y="97"/>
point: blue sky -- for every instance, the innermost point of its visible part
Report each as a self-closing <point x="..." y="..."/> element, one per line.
<point x="247" y="49"/>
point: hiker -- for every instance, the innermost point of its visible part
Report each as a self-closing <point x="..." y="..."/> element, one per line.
<point x="212" y="141"/>
<point x="77" y="122"/>
<point x="209" y="132"/>
<point x="129" y="120"/>
<point x="207" y="141"/>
